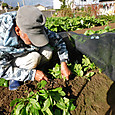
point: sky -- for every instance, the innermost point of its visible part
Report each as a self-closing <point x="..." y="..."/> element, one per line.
<point x="29" y="2"/>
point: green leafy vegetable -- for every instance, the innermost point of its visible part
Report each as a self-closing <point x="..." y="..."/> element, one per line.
<point x="56" y="71"/>
<point x="41" y="84"/>
<point x="106" y="29"/>
<point x="59" y="24"/>
<point x="55" y="101"/>
<point x="3" y="82"/>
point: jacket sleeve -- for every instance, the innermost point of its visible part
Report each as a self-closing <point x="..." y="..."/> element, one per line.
<point x="7" y="22"/>
<point x="9" y="72"/>
<point x="57" y="42"/>
<point x="7" y="41"/>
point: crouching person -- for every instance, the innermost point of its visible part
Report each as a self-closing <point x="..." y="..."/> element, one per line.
<point x="25" y="44"/>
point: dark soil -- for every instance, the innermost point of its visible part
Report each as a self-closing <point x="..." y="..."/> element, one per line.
<point x="94" y="97"/>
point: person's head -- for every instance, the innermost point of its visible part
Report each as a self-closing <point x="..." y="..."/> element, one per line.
<point x="30" y="26"/>
<point x="23" y="35"/>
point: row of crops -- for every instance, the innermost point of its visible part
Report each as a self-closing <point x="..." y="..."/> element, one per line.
<point x="101" y="31"/>
<point x="80" y="70"/>
<point x="60" y="24"/>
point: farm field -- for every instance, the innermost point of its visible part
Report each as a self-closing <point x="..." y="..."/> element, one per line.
<point x="91" y="97"/>
<point x="112" y="25"/>
<point x="94" y="97"/>
<point x="88" y="91"/>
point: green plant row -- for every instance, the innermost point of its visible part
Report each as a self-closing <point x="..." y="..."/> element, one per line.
<point x="81" y="70"/>
<point x="85" y="70"/>
<point x="106" y="29"/>
<point x="110" y="18"/>
<point x="44" y="102"/>
<point x="59" y="24"/>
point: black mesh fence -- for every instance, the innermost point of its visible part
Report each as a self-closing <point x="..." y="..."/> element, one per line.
<point x="100" y="48"/>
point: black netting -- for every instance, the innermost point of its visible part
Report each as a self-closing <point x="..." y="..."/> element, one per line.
<point x="100" y="48"/>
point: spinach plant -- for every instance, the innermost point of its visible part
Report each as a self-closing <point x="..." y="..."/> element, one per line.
<point x="26" y="106"/>
<point x="85" y="69"/>
<point x="3" y="82"/>
<point x="55" y="72"/>
<point x="41" y="84"/>
<point x="44" y="102"/>
<point x="106" y="29"/>
<point x="59" y="24"/>
<point x="82" y="70"/>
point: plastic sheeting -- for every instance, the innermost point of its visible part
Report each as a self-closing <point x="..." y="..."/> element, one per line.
<point x="100" y="48"/>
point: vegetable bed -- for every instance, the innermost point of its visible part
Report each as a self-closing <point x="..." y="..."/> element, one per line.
<point x="89" y="97"/>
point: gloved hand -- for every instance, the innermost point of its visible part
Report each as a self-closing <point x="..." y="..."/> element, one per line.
<point x="40" y="76"/>
<point x="65" y="72"/>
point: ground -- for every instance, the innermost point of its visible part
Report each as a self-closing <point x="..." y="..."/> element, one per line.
<point x="94" y="97"/>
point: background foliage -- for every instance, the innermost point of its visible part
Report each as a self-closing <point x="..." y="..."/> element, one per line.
<point x="60" y="24"/>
